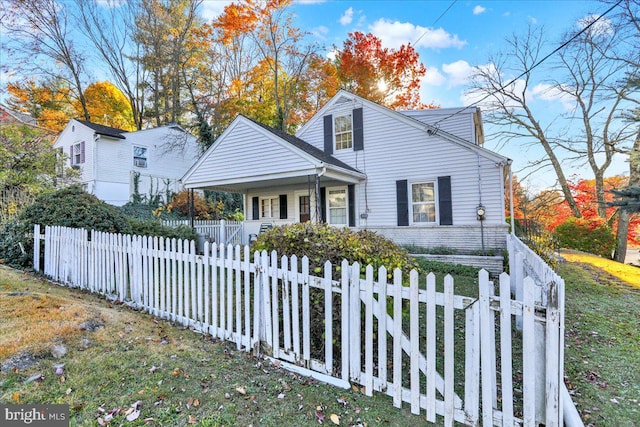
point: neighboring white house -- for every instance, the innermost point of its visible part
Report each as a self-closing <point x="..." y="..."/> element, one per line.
<point x="418" y="177"/>
<point x="114" y="164"/>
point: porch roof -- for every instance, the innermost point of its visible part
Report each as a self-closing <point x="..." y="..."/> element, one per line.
<point x="236" y="161"/>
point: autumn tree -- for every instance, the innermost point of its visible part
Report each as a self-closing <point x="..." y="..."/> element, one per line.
<point x="41" y="29"/>
<point x="109" y="29"/>
<point x="387" y="76"/>
<point x="108" y="106"/>
<point x="165" y="31"/>
<point x="50" y="102"/>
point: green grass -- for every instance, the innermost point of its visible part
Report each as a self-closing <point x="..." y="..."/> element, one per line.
<point x="602" y="346"/>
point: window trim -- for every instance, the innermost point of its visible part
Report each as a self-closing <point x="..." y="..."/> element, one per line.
<point x="346" y="206"/>
<point x="336" y="133"/>
<point x="271" y="212"/>
<point x="411" y="203"/>
<point x="134" y="157"/>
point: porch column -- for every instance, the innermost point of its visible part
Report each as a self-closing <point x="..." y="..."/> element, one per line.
<point x="318" y="203"/>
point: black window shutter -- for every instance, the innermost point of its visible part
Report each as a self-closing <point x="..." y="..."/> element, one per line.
<point x="358" y="133"/>
<point x="255" y="202"/>
<point x="444" y="200"/>
<point x="402" y="202"/>
<point x="351" y="204"/>
<point x="283" y="206"/>
<point x="328" y="134"/>
<point x="323" y="204"/>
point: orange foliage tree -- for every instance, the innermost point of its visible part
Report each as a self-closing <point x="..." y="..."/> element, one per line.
<point x="108" y="106"/>
<point x="387" y="76"/>
<point x="47" y="102"/>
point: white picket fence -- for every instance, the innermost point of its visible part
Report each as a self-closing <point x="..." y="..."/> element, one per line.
<point x="452" y="358"/>
<point x="219" y="231"/>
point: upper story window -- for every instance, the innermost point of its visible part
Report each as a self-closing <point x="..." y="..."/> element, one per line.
<point x="77" y="153"/>
<point x="343" y="131"/>
<point x="423" y="202"/>
<point x="140" y="157"/>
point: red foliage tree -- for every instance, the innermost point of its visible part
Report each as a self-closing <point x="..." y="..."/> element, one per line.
<point x="387" y="76"/>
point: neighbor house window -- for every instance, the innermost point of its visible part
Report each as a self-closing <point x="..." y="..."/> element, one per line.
<point x="343" y="131"/>
<point x="77" y="153"/>
<point x="269" y="207"/>
<point x="337" y="205"/>
<point x="140" y="157"/>
<point x="423" y="202"/>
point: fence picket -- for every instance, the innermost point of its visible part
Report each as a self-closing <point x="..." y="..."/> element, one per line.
<point x="328" y="318"/>
<point x="414" y="365"/>
<point x="397" y="334"/>
<point x="486" y="336"/>
<point x="238" y="295"/>
<point x="345" y="320"/>
<point x="505" y="351"/>
<point x="449" y="338"/>
<point x="286" y="304"/>
<point x="528" y="354"/>
<point x="368" y="331"/>
<point x="431" y="348"/>
<point x="382" y="328"/>
<point x="295" y="308"/>
<point x="355" y="323"/>
<point x="306" y="339"/>
<point x="275" y="306"/>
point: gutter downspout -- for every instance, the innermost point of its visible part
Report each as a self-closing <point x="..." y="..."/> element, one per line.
<point x="318" y="202"/>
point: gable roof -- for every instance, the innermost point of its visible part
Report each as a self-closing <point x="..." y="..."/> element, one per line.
<point x="343" y="96"/>
<point x="306" y="147"/>
<point x="104" y="130"/>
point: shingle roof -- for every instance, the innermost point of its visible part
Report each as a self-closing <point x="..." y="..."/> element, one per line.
<point x="104" y="130"/>
<point x="306" y="147"/>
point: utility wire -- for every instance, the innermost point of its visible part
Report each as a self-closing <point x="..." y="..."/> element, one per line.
<point x="563" y="45"/>
<point x="435" y="22"/>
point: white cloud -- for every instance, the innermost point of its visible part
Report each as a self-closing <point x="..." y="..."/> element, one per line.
<point x="458" y="72"/>
<point x="551" y="93"/>
<point x="211" y="9"/>
<point x="332" y="54"/>
<point x="347" y="17"/>
<point x="600" y="28"/>
<point x="433" y="77"/>
<point x="479" y="9"/>
<point x="532" y="20"/>
<point x="394" y="34"/>
<point x="320" y="32"/>
<point x="309" y="1"/>
<point x="110" y="3"/>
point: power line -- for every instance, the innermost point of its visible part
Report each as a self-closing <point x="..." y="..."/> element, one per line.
<point x="435" y="22"/>
<point x="563" y="45"/>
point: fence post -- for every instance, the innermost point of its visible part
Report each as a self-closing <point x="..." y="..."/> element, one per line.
<point x="36" y="247"/>
<point x="223" y="231"/>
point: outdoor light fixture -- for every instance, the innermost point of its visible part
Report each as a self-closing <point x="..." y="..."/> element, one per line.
<point x="480" y="212"/>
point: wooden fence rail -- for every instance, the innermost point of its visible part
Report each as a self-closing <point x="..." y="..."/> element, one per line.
<point x="452" y="358"/>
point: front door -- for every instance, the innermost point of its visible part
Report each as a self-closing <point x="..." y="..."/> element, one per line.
<point x="305" y="208"/>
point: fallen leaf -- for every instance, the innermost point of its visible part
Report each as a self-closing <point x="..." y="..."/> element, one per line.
<point x="16" y="397"/>
<point x="153" y="369"/>
<point x="241" y="390"/>
<point x="335" y="419"/>
<point x="135" y="413"/>
<point x="192" y="420"/>
<point x="68" y="392"/>
<point x="196" y="402"/>
<point x="281" y="396"/>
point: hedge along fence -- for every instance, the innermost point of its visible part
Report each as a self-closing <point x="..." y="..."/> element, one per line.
<point x="450" y="357"/>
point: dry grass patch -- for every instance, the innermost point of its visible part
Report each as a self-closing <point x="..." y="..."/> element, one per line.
<point x="624" y="272"/>
<point x="34" y="322"/>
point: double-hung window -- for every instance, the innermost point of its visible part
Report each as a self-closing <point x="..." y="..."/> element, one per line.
<point x="343" y="131"/>
<point x="269" y="208"/>
<point x="337" y="206"/>
<point x="76" y="154"/>
<point x="140" y="156"/>
<point x="423" y="202"/>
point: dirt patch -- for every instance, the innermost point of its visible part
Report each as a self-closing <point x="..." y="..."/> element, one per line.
<point x="18" y="362"/>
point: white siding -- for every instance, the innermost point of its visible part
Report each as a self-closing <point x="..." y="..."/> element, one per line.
<point x="246" y="152"/>
<point x="75" y="133"/>
<point x="452" y="120"/>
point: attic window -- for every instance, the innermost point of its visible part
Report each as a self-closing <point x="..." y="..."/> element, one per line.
<point x="343" y="131"/>
<point x="140" y="157"/>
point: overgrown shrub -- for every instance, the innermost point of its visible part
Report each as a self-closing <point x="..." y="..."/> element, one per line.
<point x="589" y="235"/>
<point x="202" y="208"/>
<point x="153" y="227"/>
<point x="69" y="207"/>
<point x="146" y="211"/>
<point x="321" y="243"/>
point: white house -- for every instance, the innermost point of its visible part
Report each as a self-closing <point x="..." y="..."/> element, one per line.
<point x="114" y="164"/>
<point x="418" y="177"/>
